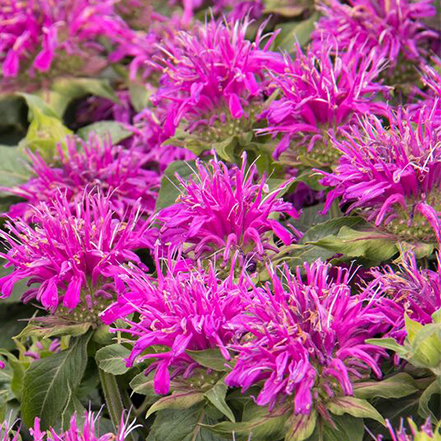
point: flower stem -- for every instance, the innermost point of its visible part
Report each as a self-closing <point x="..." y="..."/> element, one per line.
<point x="112" y="397"/>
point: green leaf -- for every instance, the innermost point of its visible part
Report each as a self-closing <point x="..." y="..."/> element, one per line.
<point x="209" y="358"/>
<point x="300" y="427"/>
<point x="354" y="406"/>
<point x="372" y="245"/>
<point x="181" y="425"/>
<point x="15" y="373"/>
<point x="143" y="384"/>
<point x="39" y="330"/>
<point x="44" y="133"/>
<point x="170" y="187"/>
<point x="345" y="428"/>
<point x="176" y="401"/>
<point x="36" y="103"/>
<point x="297" y="31"/>
<point x="111" y="359"/>
<point x="331" y="227"/>
<point x="216" y="395"/>
<point x="48" y="382"/>
<point x="397" y="386"/>
<point x="114" y="129"/>
<point x="263" y="426"/>
<point x="426" y="396"/>
<point x="388" y="343"/>
<point x="14" y="167"/>
<point x="139" y="95"/>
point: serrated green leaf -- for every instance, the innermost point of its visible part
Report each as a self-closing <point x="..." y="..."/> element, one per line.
<point x="354" y="406"/>
<point x="209" y="358"/>
<point x="300" y="427"/>
<point x="331" y="227"/>
<point x="264" y="426"/>
<point x="397" y="386"/>
<point x="48" y="381"/>
<point x="177" y="401"/>
<point x="216" y="395"/>
<point x="181" y="425"/>
<point x="114" y="129"/>
<point x="111" y="359"/>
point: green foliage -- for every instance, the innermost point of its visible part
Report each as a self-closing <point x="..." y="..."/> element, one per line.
<point x="111" y="359"/>
<point x="49" y="383"/>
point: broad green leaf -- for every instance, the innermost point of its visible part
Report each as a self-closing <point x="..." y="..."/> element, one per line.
<point x="300" y="427"/>
<point x="143" y="384"/>
<point x="331" y="227"/>
<point x="345" y="428"/>
<point x="372" y="245"/>
<point x="216" y="395"/>
<point x="114" y="129"/>
<point x="294" y="32"/>
<point x="40" y="330"/>
<point x="111" y="359"/>
<point x="176" y="401"/>
<point x="170" y="187"/>
<point x="14" y="372"/>
<point x="14" y="167"/>
<point x="263" y="427"/>
<point x="182" y="425"/>
<point x="48" y="382"/>
<point x="354" y="406"/>
<point x="397" y="386"/>
<point x="210" y="358"/>
<point x="36" y="103"/>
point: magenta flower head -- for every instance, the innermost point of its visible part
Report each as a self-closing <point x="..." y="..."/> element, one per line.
<point x="215" y="79"/>
<point x="221" y="211"/>
<point x="97" y="165"/>
<point x="391" y="175"/>
<point x="408" y="290"/>
<point x="181" y="310"/>
<point x="305" y="338"/>
<point x="321" y="94"/>
<point x="68" y="258"/>
<point x="81" y="432"/>
<point x="394" y="28"/>
<point x="41" y="36"/>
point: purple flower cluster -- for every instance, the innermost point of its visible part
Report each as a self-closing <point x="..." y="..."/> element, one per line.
<point x="391" y="174"/>
<point x="68" y="256"/>
<point x="39" y="36"/>
<point x="181" y="310"/>
<point x="222" y="210"/>
<point x="305" y="337"/>
<point x="96" y="165"/>
<point x="322" y="93"/>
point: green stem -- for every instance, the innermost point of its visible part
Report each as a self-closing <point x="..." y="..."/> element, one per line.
<point x="112" y="397"/>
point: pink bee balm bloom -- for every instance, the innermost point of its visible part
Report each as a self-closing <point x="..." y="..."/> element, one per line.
<point x="322" y="93"/>
<point x="409" y="290"/>
<point x="394" y="28"/>
<point x="222" y="210"/>
<point x="214" y="75"/>
<point x="42" y="35"/>
<point x="68" y="257"/>
<point x="88" y="431"/>
<point x="392" y="174"/>
<point x="183" y="310"/>
<point x="305" y="337"/>
<point x="96" y="164"/>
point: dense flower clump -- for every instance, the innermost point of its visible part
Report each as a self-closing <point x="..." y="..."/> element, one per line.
<point x="66" y="254"/>
<point x="220" y="211"/>
<point x="222" y="217"/>
<point x="391" y="174"/>
<point x="321" y="95"/>
<point x="305" y="338"/>
<point x="97" y="165"/>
